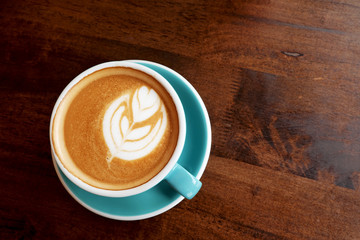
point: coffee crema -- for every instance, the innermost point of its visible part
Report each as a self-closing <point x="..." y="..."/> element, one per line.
<point x="116" y="128"/>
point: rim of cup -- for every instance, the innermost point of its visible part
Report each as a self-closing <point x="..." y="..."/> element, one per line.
<point x="175" y="156"/>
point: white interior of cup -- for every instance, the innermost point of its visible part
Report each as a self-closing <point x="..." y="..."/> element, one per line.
<point x="177" y="152"/>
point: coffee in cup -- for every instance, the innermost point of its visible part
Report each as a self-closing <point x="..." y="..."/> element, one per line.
<point x="116" y="128"/>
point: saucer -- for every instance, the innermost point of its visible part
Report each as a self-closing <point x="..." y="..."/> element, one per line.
<point x="162" y="197"/>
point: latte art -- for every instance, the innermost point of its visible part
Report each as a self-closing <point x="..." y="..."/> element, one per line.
<point x="134" y="124"/>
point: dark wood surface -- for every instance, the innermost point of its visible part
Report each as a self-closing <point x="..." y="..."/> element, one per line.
<point x="281" y="82"/>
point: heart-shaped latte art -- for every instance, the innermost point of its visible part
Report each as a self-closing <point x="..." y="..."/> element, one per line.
<point x="133" y="136"/>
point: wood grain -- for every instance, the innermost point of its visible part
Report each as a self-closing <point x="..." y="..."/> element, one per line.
<point x="280" y="80"/>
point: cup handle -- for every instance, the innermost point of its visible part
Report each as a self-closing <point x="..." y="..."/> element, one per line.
<point x="183" y="182"/>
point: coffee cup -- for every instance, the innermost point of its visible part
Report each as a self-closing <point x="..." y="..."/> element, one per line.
<point x="118" y="129"/>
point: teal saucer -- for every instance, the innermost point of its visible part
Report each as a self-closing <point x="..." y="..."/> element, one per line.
<point x="193" y="158"/>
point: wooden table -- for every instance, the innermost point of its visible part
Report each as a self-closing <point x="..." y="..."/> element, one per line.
<point x="281" y="82"/>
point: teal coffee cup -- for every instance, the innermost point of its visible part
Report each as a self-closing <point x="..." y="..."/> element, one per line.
<point x="174" y="174"/>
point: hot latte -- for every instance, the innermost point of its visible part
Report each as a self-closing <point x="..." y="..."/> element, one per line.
<point x="116" y="128"/>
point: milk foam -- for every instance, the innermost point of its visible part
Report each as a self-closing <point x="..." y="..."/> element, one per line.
<point x="124" y="139"/>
